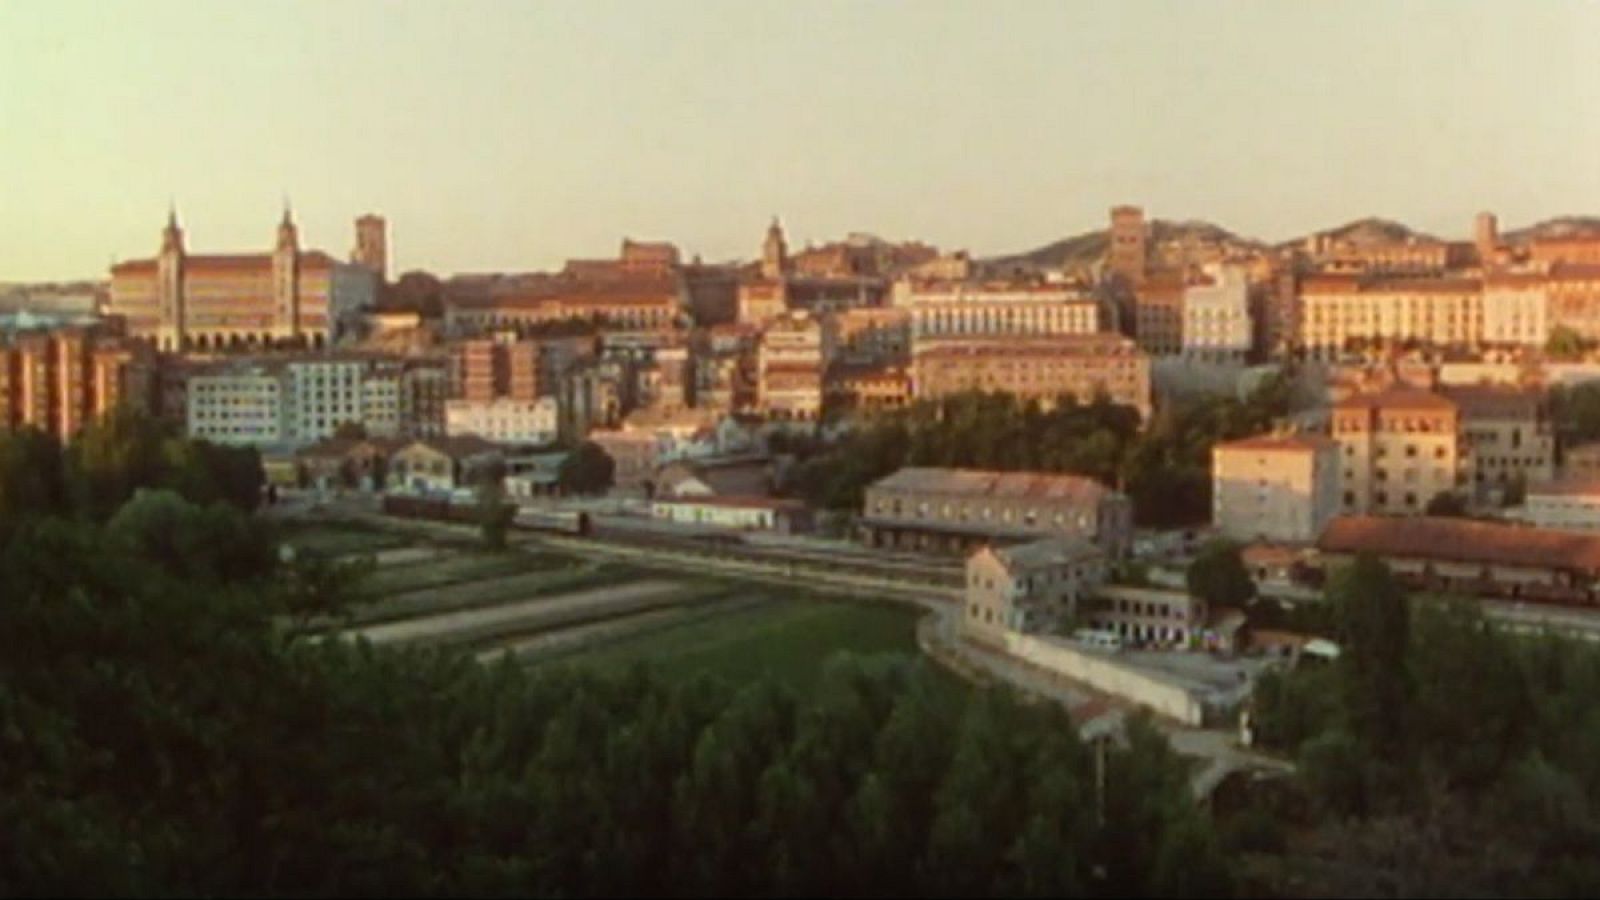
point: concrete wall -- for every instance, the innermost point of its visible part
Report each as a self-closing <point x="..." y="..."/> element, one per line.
<point x="1105" y="673"/>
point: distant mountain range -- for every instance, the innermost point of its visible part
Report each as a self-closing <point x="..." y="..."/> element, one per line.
<point x="1165" y="236"/>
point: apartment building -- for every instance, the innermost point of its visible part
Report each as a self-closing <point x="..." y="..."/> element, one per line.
<point x="1081" y="366"/>
<point x="1399" y="448"/>
<point x="954" y="510"/>
<point x="956" y="310"/>
<point x="870" y="335"/>
<point x="791" y="358"/>
<point x="1158" y="313"/>
<point x="1516" y="310"/>
<point x="1217" y="325"/>
<point x="1342" y="311"/>
<point x="60" y="379"/>
<point x="504" y="420"/>
<point x="239" y="404"/>
<point x="1574" y="292"/>
<point x="1275" y="488"/>
<point x="294" y="401"/>
<point x="1507" y="436"/>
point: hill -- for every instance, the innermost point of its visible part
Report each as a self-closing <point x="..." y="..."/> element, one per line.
<point x="1367" y="232"/>
<point x="1088" y="247"/>
<point x="1560" y="226"/>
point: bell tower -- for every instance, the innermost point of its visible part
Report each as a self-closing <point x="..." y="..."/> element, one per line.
<point x="372" y="245"/>
<point x="169" y="284"/>
<point x="285" y="278"/>
<point x="774" y="252"/>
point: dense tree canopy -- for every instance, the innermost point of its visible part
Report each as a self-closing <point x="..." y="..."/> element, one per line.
<point x="1478" y="746"/>
<point x="157" y="735"/>
<point x="162" y="732"/>
<point x="587" y="470"/>
<point x="1165" y="467"/>
<point x="1218" y="575"/>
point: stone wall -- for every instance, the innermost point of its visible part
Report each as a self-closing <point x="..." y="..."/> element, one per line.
<point x="1104" y="673"/>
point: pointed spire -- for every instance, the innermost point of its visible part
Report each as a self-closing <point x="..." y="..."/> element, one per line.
<point x="172" y="212"/>
<point x="288" y="216"/>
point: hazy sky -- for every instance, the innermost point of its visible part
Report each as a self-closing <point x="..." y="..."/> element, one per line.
<point x="514" y="134"/>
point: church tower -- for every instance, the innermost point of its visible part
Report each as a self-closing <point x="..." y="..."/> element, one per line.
<point x="285" y="278"/>
<point x="169" y="284"/>
<point x="372" y="245"/>
<point x="774" y="252"/>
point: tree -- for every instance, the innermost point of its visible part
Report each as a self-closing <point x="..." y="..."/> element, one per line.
<point x="1447" y="503"/>
<point x="114" y="455"/>
<point x="1218" y="576"/>
<point x="350" y="431"/>
<point x="494" y="512"/>
<point x="1565" y="343"/>
<point x="1374" y="628"/>
<point x="31" y="477"/>
<point x="586" y="470"/>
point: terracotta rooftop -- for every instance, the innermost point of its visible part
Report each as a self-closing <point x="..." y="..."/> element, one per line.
<point x="192" y="262"/>
<point x="737" y="502"/>
<point x="1494" y="401"/>
<point x="986" y="483"/>
<point x="1297" y="443"/>
<point x="1462" y="540"/>
<point x="1396" y="398"/>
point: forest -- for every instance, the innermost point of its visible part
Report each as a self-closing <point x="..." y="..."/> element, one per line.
<point x="1165" y="467"/>
<point x="1439" y="755"/>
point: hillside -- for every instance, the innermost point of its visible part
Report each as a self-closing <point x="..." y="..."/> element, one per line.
<point x="1367" y="232"/>
<point x="1560" y="226"/>
<point x="1088" y="247"/>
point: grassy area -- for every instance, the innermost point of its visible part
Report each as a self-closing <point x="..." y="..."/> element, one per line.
<point x="339" y="539"/>
<point x="463" y="567"/>
<point x="786" y="638"/>
<point x="520" y="583"/>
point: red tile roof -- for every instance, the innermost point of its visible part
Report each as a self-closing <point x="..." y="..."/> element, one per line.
<point x="1297" y="443"/>
<point x="1396" y="398"/>
<point x="737" y="502"/>
<point x="1462" y="540"/>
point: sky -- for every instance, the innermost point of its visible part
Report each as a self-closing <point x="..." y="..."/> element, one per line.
<point x="513" y="134"/>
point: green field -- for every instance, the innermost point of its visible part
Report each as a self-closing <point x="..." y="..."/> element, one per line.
<point x="788" y="639"/>
<point x="339" y="539"/>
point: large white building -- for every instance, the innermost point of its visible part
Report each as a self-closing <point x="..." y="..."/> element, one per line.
<point x="974" y="309"/>
<point x="1277" y="488"/>
<point x="297" y="401"/>
<point x="238" y="405"/>
<point x="321" y="395"/>
<point x="1216" y="315"/>
<point x="504" y="420"/>
<point x="1516" y="310"/>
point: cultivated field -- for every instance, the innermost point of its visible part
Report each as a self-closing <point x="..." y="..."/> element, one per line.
<point x="547" y="607"/>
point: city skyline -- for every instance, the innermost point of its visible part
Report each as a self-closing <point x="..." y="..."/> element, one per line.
<point x="491" y="143"/>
